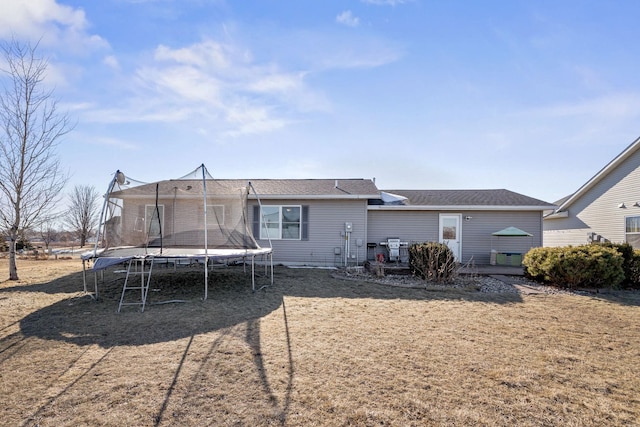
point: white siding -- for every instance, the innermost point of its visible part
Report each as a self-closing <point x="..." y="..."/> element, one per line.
<point x="597" y="210"/>
<point x="553" y="238"/>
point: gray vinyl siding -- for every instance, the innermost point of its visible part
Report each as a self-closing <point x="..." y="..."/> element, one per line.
<point x="597" y="210"/>
<point x="326" y="226"/>
<point x="477" y="241"/>
<point x="408" y="226"/>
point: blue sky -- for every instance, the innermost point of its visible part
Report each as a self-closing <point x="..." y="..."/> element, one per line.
<point x="532" y="96"/>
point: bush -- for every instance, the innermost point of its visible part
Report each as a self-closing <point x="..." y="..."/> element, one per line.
<point x="630" y="262"/>
<point x="632" y="276"/>
<point x="537" y="263"/>
<point x="592" y="266"/>
<point x="432" y="261"/>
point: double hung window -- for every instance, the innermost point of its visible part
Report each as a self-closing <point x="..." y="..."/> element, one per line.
<point x="280" y="222"/>
<point x="215" y="215"/>
<point x="154" y="219"/>
<point x="632" y="231"/>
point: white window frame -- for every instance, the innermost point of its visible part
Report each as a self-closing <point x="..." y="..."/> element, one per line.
<point x="211" y="214"/>
<point x="278" y="231"/>
<point x="627" y="233"/>
<point x="148" y="212"/>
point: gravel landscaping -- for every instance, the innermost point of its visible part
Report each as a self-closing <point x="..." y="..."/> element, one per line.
<point x="470" y="282"/>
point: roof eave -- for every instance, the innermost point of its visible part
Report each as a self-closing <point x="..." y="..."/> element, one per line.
<point x="314" y="196"/>
<point x="557" y="215"/>
<point x="602" y="173"/>
<point x="461" y="208"/>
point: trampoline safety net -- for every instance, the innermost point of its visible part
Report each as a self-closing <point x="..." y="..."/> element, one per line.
<point x="194" y="213"/>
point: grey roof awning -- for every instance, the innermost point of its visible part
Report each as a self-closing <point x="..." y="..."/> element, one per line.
<point x="511" y="231"/>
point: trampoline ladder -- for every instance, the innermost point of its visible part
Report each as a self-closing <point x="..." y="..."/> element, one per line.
<point x="135" y="268"/>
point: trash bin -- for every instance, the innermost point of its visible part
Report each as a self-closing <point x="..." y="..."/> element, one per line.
<point x="516" y="259"/>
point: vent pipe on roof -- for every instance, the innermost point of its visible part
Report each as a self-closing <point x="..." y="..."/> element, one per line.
<point x="336" y="183"/>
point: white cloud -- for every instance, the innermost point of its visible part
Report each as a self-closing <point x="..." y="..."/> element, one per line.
<point x="357" y="53"/>
<point x="117" y="143"/>
<point x="51" y="23"/>
<point x="77" y="106"/>
<point x="252" y="120"/>
<point x="321" y="51"/>
<point x="215" y="88"/>
<point x="182" y="82"/>
<point x="220" y="87"/>
<point x="205" y="55"/>
<point x="615" y="105"/>
<point x="347" y="18"/>
<point x="111" y="61"/>
<point x="386" y="2"/>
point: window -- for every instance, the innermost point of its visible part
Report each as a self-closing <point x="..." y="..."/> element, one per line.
<point x="632" y="231"/>
<point x="215" y="215"/>
<point x="154" y="218"/>
<point x="280" y="222"/>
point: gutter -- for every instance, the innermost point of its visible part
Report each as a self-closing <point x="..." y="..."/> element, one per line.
<point x="556" y="215"/>
<point x="626" y="153"/>
<point x="316" y="197"/>
<point x="459" y="208"/>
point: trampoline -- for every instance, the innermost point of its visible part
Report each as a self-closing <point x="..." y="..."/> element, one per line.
<point x="193" y="219"/>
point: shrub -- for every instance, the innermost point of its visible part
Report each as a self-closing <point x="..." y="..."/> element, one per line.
<point x="432" y="261"/>
<point x="631" y="278"/>
<point x="537" y="263"/>
<point x="594" y="266"/>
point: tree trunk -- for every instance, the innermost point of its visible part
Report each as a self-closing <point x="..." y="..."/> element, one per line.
<point x="13" y="269"/>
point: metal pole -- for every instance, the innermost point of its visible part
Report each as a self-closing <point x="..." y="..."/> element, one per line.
<point x="206" y="240"/>
<point x="104" y="208"/>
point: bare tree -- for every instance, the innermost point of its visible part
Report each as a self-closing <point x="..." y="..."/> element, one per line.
<point x="48" y="232"/>
<point x="82" y="215"/>
<point x="31" y="126"/>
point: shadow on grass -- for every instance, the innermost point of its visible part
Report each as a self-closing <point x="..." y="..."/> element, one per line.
<point x="629" y="298"/>
<point x="69" y="284"/>
<point x="84" y="321"/>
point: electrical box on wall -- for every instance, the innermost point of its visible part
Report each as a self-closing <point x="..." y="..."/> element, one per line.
<point x="348" y="227"/>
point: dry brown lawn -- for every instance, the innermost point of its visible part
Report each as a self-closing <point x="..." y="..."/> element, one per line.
<point x="310" y="351"/>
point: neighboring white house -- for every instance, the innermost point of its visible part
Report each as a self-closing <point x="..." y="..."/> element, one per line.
<point x="606" y="208"/>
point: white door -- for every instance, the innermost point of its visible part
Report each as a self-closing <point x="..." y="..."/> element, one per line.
<point x="450" y="233"/>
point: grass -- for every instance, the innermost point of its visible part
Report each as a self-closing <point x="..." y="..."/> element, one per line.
<point x="310" y="351"/>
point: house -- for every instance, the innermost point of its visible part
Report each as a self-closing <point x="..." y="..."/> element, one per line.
<point x="605" y="209"/>
<point x="347" y="221"/>
<point x="316" y="222"/>
<point x="312" y="221"/>
<point x="464" y="219"/>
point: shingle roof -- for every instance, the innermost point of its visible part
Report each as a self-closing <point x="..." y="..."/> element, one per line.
<point x="315" y="187"/>
<point x="499" y="197"/>
<point x="561" y="201"/>
<point x="270" y="188"/>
